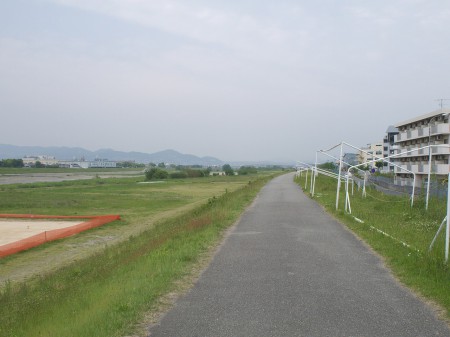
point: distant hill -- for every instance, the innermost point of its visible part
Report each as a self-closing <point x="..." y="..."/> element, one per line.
<point x="71" y="153"/>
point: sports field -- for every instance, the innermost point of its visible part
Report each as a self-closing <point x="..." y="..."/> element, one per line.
<point x="15" y="230"/>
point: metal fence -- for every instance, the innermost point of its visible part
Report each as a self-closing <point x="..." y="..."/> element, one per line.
<point x="403" y="186"/>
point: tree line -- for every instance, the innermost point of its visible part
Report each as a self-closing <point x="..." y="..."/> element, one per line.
<point x="11" y="163"/>
<point x="158" y="171"/>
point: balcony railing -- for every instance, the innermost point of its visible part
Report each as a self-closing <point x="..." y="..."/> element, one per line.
<point x="441" y="169"/>
<point x="406" y="168"/>
<point x="411" y="134"/>
<point x="443" y="128"/>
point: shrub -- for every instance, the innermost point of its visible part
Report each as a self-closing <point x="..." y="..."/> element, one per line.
<point x="156" y="173"/>
<point x="244" y="170"/>
<point x="178" y="175"/>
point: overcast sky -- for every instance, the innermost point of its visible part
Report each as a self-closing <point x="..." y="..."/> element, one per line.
<point x="238" y="80"/>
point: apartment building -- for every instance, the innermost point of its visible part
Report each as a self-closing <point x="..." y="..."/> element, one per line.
<point x="370" y="152"/>
<point x="389" y="148"/>
<point x="429" y="129"/>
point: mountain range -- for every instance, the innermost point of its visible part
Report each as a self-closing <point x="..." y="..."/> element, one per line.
<point x="72" y="153"/>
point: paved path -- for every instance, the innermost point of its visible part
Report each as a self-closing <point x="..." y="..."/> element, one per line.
<point x="289" y="269"/>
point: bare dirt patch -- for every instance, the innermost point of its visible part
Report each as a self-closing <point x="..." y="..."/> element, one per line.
<point x="15" y="230"/>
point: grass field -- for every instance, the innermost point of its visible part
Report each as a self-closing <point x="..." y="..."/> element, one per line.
<point x="399" y="233"/>
<point x="105" y="281"/>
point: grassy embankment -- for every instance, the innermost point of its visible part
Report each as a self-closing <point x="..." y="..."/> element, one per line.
<point x="410" y="231"/>
<point x="108" y="293"/>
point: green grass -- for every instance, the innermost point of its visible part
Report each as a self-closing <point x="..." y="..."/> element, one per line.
<point x="113" y="195"/>
<point x="108" y="293"/>
<point x="410" y="231"/>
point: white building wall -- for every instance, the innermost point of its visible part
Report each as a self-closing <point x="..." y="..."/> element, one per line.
<point x="429" y="129"/>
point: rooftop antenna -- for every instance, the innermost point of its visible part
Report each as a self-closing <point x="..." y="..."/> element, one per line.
<point x="441" y="101"/>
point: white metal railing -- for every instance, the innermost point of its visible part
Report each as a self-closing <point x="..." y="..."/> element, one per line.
<point x="443" y="128"/>
<point x="440" y="168"/>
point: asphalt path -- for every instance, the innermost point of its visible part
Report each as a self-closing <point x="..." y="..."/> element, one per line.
<point x="289" y="269"/>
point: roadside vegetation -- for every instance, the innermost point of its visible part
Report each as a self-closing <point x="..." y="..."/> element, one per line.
<point x="399" y="233"/>
<point x="161" y="172"/>
<point x="111" y="290"/>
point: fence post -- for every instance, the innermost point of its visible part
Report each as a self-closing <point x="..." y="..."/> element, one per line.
<point x="447" y="230"/>
<point x="306" y="179"/>
<point x="339" y="179"/>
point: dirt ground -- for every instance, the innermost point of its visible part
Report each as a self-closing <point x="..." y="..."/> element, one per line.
<point x="14" y="230"/>
<point x="34" y="177"/>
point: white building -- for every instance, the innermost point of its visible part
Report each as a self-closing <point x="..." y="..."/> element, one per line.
<point x="97" y="163"/>
<point x="389" y="147"/>
<point x="44" y="160"/>
<point x="429" y="129"/>
<point x="370" y="152"/>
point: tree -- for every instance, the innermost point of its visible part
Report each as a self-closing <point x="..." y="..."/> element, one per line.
<point x="244" y="170"/>
<point x="11" y="163"/>
<point x="379" y="164"/>
<point x="328" y="166"/>
<point x="162" y="165"/>
<point x="228" y="170"/>
<point x="38" y="164"/>
<point x="156" y="173"/>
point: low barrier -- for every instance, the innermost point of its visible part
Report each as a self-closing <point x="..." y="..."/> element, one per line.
<point x="51" y="235"/>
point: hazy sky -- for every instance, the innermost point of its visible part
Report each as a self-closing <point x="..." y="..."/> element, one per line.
<point x="238" y="80"/>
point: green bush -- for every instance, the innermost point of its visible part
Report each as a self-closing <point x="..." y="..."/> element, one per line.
<point x="244" y="170"/>
<point x="178" y="175"/>
<point x="156" y="173"/>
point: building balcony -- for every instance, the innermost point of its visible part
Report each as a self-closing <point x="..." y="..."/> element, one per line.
<point x="410" y="134"/>
<point x="443" y="128"/>
<point x="418" y="150"/>
<point x="407" y="152"/>
<point x="440" y="169"/>
<point x="422" y="168"/>
<point x="440" y="150"/>
<point x="406" y="168"/>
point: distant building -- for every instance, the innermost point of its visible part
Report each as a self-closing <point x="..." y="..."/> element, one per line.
<point x="370" y="152"/>
<point x="44" y="160"/>
<point x="351" y="158"/>
<point x="217" y="173"/>
<point x="102" y="163"/>
<point x="97" y="163"/>
<point x="389" y="147"/>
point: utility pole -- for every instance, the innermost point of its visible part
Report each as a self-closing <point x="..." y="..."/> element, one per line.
<point x="441" y="101"/>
